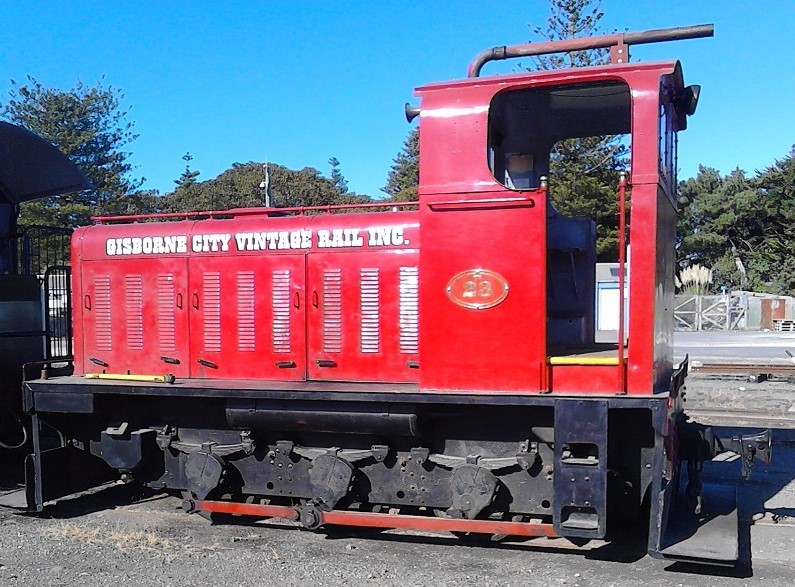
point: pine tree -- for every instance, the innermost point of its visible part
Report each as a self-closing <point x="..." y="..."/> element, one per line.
<point x="337" y="179"/>
<point x="584" y="171"/>
<point x="570" y="19"/>
<point x="188" y="177"/>
<point x="404" y="175"/>
<point x="89" y="125"/>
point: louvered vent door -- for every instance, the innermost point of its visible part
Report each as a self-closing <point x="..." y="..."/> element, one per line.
<point x="248" y="317"/>
<point x="363" y="316"/>
<point x="134" y="317"/>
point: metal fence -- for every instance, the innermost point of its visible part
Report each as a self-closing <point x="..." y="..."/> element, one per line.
<point x="40" y="247"/>
<point x="43" y="251"/>
<point x="702" y="312"/>
<point x="58" y="312"/>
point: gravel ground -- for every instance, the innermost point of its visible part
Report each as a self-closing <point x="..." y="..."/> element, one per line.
<point x="733" y="400"/>
<point x="106" y="539"/>
<point x="94" y="541"/>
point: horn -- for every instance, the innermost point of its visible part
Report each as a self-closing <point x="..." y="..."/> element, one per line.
<point x="412" y="112"/>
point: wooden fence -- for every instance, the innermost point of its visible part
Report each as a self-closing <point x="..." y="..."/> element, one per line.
<point x="702" y="312"/>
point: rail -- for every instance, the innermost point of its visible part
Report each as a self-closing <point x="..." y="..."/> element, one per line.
<point x="203" y="215"/>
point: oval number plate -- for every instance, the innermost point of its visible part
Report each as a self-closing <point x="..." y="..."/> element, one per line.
<point x="477" y="288"/>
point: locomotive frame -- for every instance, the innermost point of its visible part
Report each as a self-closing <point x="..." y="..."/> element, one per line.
<point x="330" y="368"/>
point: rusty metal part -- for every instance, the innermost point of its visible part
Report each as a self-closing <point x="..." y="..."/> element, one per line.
<point x="741" y="419"/>
<point x="743" y="368"/>
<point x="372" y="520"/>
<point x="619" y="41"/>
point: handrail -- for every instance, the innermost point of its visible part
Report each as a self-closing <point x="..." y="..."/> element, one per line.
<point x="622" y="252"/>
<point x="298" y="210"/>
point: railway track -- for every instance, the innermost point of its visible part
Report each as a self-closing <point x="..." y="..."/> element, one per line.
<point x="742" y="394"/>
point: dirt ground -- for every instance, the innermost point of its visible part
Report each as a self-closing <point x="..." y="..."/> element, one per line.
<point x="102" y="539"/>
<point x="110" y="538"/>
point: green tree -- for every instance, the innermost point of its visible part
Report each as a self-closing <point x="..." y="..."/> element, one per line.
<point x="741" y="227"/>
<point x="187" y="177"/>
<point x="584" y="171"/>
<point x="776" y="186"/>
<point x="239" y="187"/>
<point x="569" y="19"/>
<point x="337" y="179"/>
<point x="404" y="175"/>
<point x="89" y="125"/>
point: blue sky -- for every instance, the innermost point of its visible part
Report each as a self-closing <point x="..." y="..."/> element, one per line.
<point x="299" y="82"/>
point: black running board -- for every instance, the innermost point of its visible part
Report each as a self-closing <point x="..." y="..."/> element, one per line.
<point x="711" y="537"/>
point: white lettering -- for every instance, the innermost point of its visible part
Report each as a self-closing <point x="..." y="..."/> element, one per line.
<point x="376" y="236"/>
<point x="379" y="235"/>
<point x="157" y="245"/>
<point x="147" y="245"/>
<point x="242" y="241"/>
<point x="284" y="241"/>
<point x="337" y="238"/>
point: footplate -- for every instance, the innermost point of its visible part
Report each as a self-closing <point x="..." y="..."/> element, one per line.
<point x="710" y="537"/>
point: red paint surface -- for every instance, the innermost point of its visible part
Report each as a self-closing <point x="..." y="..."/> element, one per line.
<point x="371" y="520"/>
<point x="467" y="221"/>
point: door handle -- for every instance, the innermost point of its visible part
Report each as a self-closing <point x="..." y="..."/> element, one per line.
<point x="179" y="301"/>
<point x="207" y="363"/>
<point x="196" y="300"/>
<point x="297" y="300"/>
<point x="315" y="300"/>
<point x="87" y="302"/>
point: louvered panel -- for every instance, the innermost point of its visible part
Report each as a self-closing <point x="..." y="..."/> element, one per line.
<point x="332" y="311"/>
<point x="134" y="311"/>
<point x="280" y="300"/>
<point x="211" y="314"/>
<point x="102" y="313"/>
<point x="246" y="332"/>
<point x="409" y="310"/>
<point x="370" y="311"/>
<point x="166" y="334"/>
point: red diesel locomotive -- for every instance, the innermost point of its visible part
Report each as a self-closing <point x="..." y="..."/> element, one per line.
<point x="430" y="365"/>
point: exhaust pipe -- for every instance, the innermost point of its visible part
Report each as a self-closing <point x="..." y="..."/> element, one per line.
<point x="585" y="43"/>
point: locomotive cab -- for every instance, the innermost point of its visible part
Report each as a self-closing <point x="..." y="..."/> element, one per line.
<point x="540" y="124"/>
<point x="498" y="158"/>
